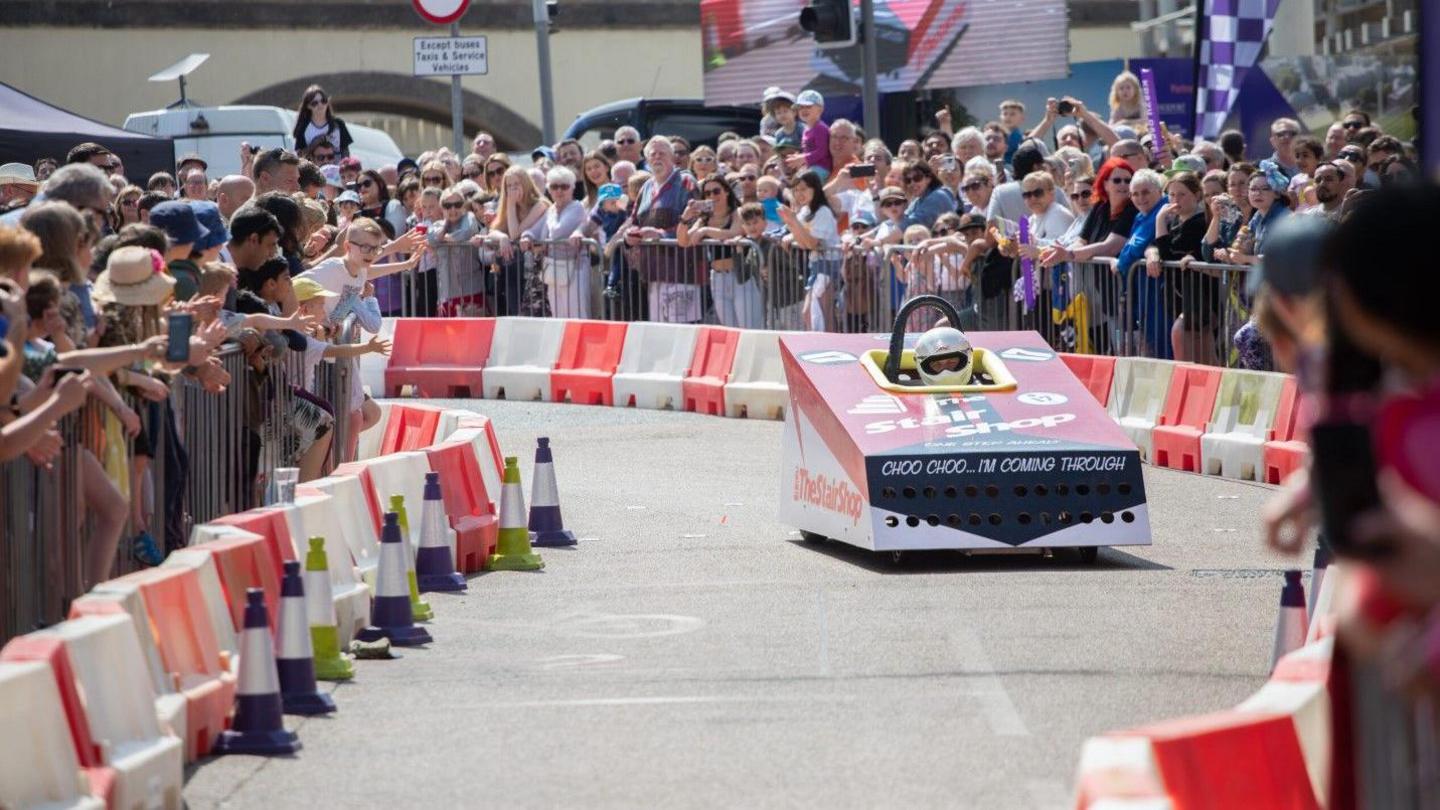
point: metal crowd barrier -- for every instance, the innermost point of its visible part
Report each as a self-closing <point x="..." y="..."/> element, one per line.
<point x="216" y="484"/>
<point x="41" y="560"/>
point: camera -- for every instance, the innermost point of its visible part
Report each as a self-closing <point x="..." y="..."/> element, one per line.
<point x="1065" y="108"/>
<point x="707" y="206"/>
<point x="860" y="170"/>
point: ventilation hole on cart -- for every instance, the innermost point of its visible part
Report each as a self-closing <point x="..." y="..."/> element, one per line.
<point x="1103" y="489"/>
<point x="892" y="521"/>
<point x="1021" y="491"/>
<point x="1082" y="489"/>
<point x="912" y="521"/>
<point x="954" y="521"/>
<point x="1065" y="518"/>
<point x="1107" y="517"/>
<point x="1086" y="517"/>
<point x="909" y="492"/>
<point x="1062" y="489"/>
<point x="975" y="519"/>
<point x="1123" y="489"/>
<point x="993" y="491"/>
<point x="1127" y="516"/>
<point x="971" y="491"/>
<point x="1041" y="491"/>
<point x="1024" y="518"/>
<point x="951" y="492"/>
<point x="994" y="518"/>
<point x="929" y="492"/>
<point x="887" y="492"/>
<point x="1045" y="518"/>
<point x="933" y="520"/>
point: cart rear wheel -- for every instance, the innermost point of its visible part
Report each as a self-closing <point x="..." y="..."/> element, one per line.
<point x="1089" y="554"/>
<point x="812" y="537"/>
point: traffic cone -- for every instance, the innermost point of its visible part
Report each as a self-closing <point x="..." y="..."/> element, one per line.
<point x="419" y="609"/>
<point x="434" y="564"/>
<point x="390" y="616"/>
<point x="546" y="527"/>
<point x="295" y="661"/>
<point x="1290" y="627"/>
<point x="512" y="547"/>
<point x="1317" y="577"/>
<point x="258" y="727"/>
<point x="330" y="665"/>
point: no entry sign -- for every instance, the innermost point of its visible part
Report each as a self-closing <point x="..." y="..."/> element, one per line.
<point x="441" y="12"/>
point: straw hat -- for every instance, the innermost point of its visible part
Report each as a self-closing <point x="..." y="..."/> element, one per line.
<point x="134" y="276"/>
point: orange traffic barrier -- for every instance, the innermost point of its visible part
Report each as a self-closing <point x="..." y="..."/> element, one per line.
<point x="244" y="560"/>
<point x="439" y="357"/>
<point x="710" y="367"/>
<point x="1286" y="450"/>
<point x="179" y="618"/>
<point x="589" y="353"/>
<point x="51" y="651"/>
<point x="1095" y="371"/>
<point x="1188" y="408"/>
<point x="269" y="523"/>
<point x="359" y="470"/>
<point x="468" y="504"/>
<point x="410" y="427"/>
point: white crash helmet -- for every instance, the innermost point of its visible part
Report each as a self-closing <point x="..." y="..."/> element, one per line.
<point x="943" y="356"/>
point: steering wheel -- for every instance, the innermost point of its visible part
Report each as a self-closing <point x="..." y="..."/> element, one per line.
<point x="897" y="336"/>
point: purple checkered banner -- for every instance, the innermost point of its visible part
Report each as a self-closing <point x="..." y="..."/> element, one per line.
<point x="1228" y="41"/>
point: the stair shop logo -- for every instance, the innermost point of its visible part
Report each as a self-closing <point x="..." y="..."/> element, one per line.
<point x="831" y="494"/>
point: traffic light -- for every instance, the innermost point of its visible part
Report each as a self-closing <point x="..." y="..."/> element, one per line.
<point x="831" y="22"/>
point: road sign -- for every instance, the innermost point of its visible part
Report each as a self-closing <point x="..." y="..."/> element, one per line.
<point x="451" y="56"/>
<point x="441" y="12"/>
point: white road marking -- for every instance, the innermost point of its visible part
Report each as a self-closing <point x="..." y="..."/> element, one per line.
<point x="664" y="700"/>
<point x="999" y="710"/>
<point x="577" y="661"/>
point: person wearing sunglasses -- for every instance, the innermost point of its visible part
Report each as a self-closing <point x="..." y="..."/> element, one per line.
<point x="456" y="274"/>
<point x="376" y="202"/>
<point x="628" y="146"/>
<point x="316" y="121"/>
<point x="1284" y="135"/>
<point x="714" y="218"/>
<point x="565" y="269"/>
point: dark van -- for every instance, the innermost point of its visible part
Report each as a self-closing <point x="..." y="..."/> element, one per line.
<point x="688" y="118"/>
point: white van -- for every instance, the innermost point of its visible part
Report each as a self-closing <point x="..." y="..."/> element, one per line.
<point x="215" y="133"/>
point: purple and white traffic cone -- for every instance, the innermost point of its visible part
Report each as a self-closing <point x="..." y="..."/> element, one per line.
<point x="434" y="563"/>
<point x="259" y="726"/>
<point x="546" y="526"/>
<point x="390" y="617"/>
<point x="1290" y="626"/>
<point x="295" y="657"/>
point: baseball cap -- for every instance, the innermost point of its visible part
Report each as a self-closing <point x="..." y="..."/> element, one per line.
<point x="809" y="98"/>
<point x="191" y="157"/>
<point x="331" y="173"/>
<point x="307" y="288"/>
<point x="774" y="93"/>
<point x="542" y="151"/>
<point x="609" y="191"/>
<point x="179" y="223"/>
<point x="891" y="193"/>
<point x="1187" y="163"/>
<point x="351" y="163"/>
<point x="208" y="214"/>
<point x="348" y="196"/>
<point x="971" y="220"/>
<point x="18" y="174"/>
<point x="406" y="165"/>
<point x="864" y="218"/>
<point x="1291" y="263"/>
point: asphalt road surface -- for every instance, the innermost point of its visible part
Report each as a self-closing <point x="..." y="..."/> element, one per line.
<point x="694" y="652"/>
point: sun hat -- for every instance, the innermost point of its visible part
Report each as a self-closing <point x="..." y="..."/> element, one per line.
<point x="18" y="174"/>
<point x="609" y="191"/>
<point x="348" y="197"/>
<point x="351" y="163"/>
<point x="307" y="288"/>
<point x="774" y="93"/>
<point x="179" y="222"/>
<point x="208" y="213"/>
<point x="133" y="276"/>
<point x="891" y="193"/>
<point x="331" y="173"/>
<point x="809" y="98"/>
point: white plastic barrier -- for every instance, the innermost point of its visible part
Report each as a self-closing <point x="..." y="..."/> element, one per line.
<point x="1137" y="397"/>
<point x="369" y="441"/>
<point x="1233" y="444"/>
<point x="352" y="510"/>
<point x="450" y="422"/>
<point x="38" y="767"/>
<point x="171" y="707"/>
<point x="216" y="608"/>
<point x="110" y="670"/>
<point x="653" y="365"/>
<point x="404" y="474"/>
<point x="480" y="440"/>
<point x="521" y="356"/>
<point x="757" y="378"/>
<point x="319" y="516"/>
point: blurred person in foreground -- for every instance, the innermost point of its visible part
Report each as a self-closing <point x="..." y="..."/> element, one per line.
<point x="1382" y="372"/>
